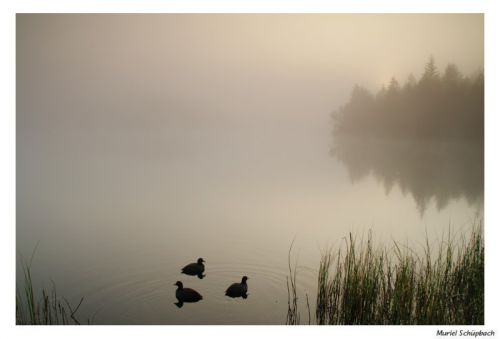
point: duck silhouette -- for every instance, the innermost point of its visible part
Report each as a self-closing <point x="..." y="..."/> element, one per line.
<point x="196" y="268"/>
<point x="186" y="295"/>
<point x="238" y="289"/>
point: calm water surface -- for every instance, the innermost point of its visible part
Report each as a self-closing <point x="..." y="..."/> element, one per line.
<point x="116" y="217"/>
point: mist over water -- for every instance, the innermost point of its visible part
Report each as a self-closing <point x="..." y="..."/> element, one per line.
<point x="432" y="172"/>
<point x="147" y="141"/>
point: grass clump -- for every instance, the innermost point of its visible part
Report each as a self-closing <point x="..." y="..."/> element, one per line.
<point x="48" y="309"/>
<point x="361" y="285"/>
<point x="293" y="314"/>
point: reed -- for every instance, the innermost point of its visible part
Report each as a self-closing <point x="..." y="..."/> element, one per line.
<point x="293" y="314"/>
<point x="363" y="285"/>
<point x="359" y="284"/>
<point x="48" y="309"/>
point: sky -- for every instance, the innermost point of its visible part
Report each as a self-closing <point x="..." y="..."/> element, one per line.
<point x="81" y="71"/>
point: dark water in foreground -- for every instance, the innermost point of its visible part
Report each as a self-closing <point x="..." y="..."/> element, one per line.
<point x="117" y="224"/>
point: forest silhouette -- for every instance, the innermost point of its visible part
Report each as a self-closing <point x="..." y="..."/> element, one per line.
<point x="447" y="106"/>
<point x="426" y="136"/>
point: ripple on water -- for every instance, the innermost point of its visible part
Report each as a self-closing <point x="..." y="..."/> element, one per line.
<point x="146" y="294"/>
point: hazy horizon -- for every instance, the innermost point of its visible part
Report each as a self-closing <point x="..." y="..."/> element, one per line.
<point x="145" y="141"/>
<point x="296" y="64"/>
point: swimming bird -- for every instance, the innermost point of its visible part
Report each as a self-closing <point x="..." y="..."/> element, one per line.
<point x="238" y="289"/>
<point x="187" y="295"/>
<point x="196" y="268"/>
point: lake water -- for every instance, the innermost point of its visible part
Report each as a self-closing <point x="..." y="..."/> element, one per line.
<point x="147" y="141"/>
<point x="117" y="215"/>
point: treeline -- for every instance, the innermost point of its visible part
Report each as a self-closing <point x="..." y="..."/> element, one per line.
<point x="436" y="106"/>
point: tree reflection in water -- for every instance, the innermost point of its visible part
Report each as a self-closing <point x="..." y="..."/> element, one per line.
<point x="428" y="170"/>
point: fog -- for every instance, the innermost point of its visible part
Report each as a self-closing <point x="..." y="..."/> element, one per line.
<point x="83" y="71"/>
<point x="146" y="141"/>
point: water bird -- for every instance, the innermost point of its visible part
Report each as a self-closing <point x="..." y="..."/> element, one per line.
<point x="238" y="289"/>
<point x="196" y="268"/>
<point x="186" y="295"/>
